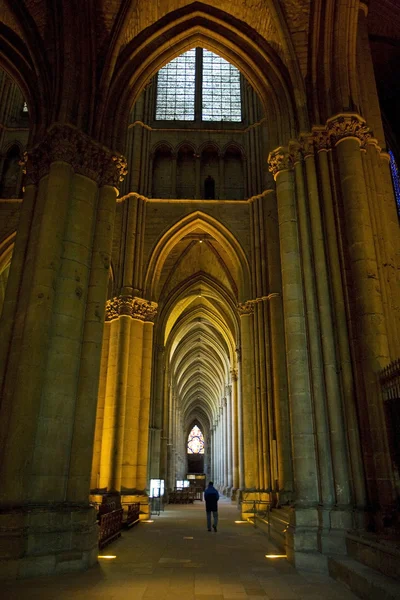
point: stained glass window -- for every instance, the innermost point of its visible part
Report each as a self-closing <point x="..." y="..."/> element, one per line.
<point x="201" y="73"/>
<point x="220" y="89"/>
<point x="195" y="443"/>
<point x="176" y="88"/>
<point x="396" y="180"/>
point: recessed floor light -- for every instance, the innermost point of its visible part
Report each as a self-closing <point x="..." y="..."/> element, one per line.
<point x="241" y="521"/>
<point x="275" y="556"/>
<point x="109" y="556"/>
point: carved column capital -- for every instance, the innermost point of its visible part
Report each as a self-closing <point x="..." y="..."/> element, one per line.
<point x="321" y="139"/>
<point x="234" y="374"/>
<point x="70" y="145"/>
<point x="307" y="144"/>
<point x="279" y="160"/>
<point x="246" y="308"/>
<point x="144" y="310"/>
<point x="131" y="306"/>
<point x="345" y="126"/>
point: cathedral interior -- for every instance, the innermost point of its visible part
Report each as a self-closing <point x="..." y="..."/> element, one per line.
<point x="199" y="268"/>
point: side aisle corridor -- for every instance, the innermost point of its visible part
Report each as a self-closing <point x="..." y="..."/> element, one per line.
<point x="174" y="556"/>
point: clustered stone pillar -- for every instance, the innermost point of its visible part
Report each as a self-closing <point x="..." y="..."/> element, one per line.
<point x="365" y="218"/>
<point x="235" y="433"/>
<point x="303" y="528"/>
<point x="273" y="461"/>
<point x="126" y="413"/>
<point x="331" y="218"/>
<point x="51" y="352"/>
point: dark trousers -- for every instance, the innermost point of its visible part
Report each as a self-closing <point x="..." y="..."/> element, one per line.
<point x="215" y="515"/>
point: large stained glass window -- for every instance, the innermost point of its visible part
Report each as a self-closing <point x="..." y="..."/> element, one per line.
<point x="220" y="89"/>
<point x="396" y="180"/>
<point x="176" y="88"/>
<point x="198" y="85"/>
<point x="195" y="443"/>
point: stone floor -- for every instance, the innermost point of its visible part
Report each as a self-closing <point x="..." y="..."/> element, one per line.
<point x="176" y="558"/>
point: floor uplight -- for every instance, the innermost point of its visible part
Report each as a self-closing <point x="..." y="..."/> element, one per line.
<point x="148" y="521"/>
<point x="109" y="556"/>
<point x="241" y="521"/>
<point x="275" y="556"/>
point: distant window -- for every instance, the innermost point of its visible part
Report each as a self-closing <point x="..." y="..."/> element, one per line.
<point x="198" y="85"/>
<point x="195" y="443"/>
<point x="396" y="180"/>
<point x="25" y="107"/>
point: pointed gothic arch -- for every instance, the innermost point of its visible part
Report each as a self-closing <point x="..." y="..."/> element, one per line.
<point x="195" y="221"/>
<point x="281" y="90"/>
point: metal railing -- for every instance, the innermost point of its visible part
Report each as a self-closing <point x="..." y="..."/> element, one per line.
<point x="259" y="509"/>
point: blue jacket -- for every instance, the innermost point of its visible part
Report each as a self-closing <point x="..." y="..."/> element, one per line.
<point x="211" y="497"/>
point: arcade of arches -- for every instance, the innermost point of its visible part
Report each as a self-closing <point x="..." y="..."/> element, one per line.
<point x="139" y="299"/>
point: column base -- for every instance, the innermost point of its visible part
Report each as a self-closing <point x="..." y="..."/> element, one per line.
<point x="302" y="540"/>
<point x="45" y="540"/>
<point x="335" y="522"/>
<point x="315" y="533"/>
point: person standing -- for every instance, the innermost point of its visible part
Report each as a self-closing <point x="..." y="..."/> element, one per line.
<point x="211" y="498"/>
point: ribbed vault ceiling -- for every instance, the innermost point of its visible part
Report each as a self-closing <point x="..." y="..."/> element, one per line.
<point x="197" y="298"/>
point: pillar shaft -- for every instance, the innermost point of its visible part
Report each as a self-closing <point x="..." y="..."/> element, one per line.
<point x="143" y="450"/>
<point x="235" y="433"/>
<point x="248" y="397"/>
<point x="132" y="411"/>
<point x="49" y="401"/>
<point x="303" y="443"/>
<point x="371" y="342"/>
<point x="341" y="333"/>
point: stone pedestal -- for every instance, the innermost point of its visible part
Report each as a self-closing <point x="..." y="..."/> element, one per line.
<point x="47" y="540"/>
<point x="302" y="547"/>
<point x="334" y="524"/>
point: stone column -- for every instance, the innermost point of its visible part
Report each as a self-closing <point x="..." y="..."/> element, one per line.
<point x="56" y="356"/>
<point x="90" y="359"/>
<point x="317" y="379"/>
<point x="349" y="133"/>
<point x="127" y="409"/>
<point x="303" y="529"/>
<point x="228" y="391"/>
<point x="248" y="393"/>
<point x="157" y="415"/>
<point x="277" y="349"/>
<point x="225" y="459"/>
<point x="323" y="148"/>
<point x="95" y="479"/>
<point x="144" y="419"/>
<point x="235" y="432"/>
